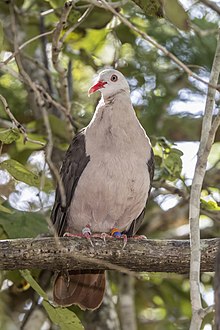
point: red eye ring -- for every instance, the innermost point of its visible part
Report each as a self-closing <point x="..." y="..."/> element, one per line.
<point x="114" y="78"/>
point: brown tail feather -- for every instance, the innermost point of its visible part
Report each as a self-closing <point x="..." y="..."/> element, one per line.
<point x="82" y="288"/>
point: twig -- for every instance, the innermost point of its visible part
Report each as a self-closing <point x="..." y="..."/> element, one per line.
<point x="57" y="44"/>
<point x="70" y="79"/>
<point x="157" y="45"/>
<point x="38" y="64"/>
<point x="117" y="4"/>
<point x="41" y="104"/>
<point x="44" y="53"/>
<point x="168" y="187"/>
<point x="212" y="5"/>
<point x="48" y="155"/>
<point x="56" y="104"/>
<point x="215" y="126"/>
<point x="207" y="137"/>
<point x="217" y="290"/>
<point x="19" y="48"/>
<point x="79" y="21"/>
<point x="206" y="311"/>
<point x="10" y="71"/>
<point x="17" y="124"/>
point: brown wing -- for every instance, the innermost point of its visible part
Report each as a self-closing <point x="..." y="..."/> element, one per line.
<point x="137" y="222"/>
<point x="74" y="164"/>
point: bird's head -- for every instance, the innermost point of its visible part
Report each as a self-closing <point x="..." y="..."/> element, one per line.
<point x="109" y="83"/>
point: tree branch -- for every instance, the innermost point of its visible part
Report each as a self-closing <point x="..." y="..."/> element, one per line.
<point x="57" y="45"/>
<point x="16" y="123"/>
<point x="207" y="138"/>
<point x="41" y="104"/>
<point x="172" y="256"/>
<point x="153" y="42"/>
<point x="212" y="5"/>
<point x="217" y="291"/>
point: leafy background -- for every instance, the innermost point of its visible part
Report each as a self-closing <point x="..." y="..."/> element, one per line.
<point x="168" y="104"/>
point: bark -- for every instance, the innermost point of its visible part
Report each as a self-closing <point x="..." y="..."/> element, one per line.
<point x="77" y="253"/>
<point x="207" y="139"/>
<point x="217" y="291"/>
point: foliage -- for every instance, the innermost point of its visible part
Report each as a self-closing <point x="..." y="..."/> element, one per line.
<point x="168" y="104"/>
<point x="60" y="316"/>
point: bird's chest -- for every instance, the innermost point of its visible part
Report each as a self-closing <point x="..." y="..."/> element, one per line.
<point x="118" y="159"/>
<point x="116" y="173"/>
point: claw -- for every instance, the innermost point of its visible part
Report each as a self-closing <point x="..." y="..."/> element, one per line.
<point x="86" y="232"/>
<point x="125" y="239"/>
<point x="115" y="232"/>
<point x="102" y="236"/>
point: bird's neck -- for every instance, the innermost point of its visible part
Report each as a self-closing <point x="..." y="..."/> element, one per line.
<point x="115" y="124"/>
<point x="116" y="111"/>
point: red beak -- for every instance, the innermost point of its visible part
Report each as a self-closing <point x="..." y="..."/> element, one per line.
<point x="97" y="86"/>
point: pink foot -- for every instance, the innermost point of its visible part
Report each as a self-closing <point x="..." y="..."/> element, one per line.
<point x="115" y="233"/>
<point x="86" y="232"/>
<point x="102" y="236"/>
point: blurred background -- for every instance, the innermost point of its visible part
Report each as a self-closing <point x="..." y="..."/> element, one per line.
<point x="168" y="104"/>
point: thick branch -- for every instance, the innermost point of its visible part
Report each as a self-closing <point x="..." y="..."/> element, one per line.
<point x="78" y="253"/>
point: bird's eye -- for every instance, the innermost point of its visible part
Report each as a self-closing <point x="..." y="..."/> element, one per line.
<point x="114" y="78"/>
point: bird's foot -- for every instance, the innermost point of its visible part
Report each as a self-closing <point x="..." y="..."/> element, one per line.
<point x="115" y="232"/>
<point x="101" y="235"/>
<point x="86" y="232"/>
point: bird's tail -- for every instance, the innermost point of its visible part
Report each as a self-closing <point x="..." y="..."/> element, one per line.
<point x="83" y="288"/>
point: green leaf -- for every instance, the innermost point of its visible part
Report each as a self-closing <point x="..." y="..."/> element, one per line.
<point x="93" y="40"/>
<point x="150" y="7"/>
<point x="210" y="205"/>
<point x="63" y="317"/>
<point x="5" y="209"/>
<point x="173" y="163"/>
<point x="29" y="278"/>
<point x="8" y="136"/>
<point x="23" y="224"/>
<point x="97" y="19"/>
<point x="176" y="14"/>
<point x="1" y="36"/>
<point x="56" y="3"/>
<point x="124" y="34"/>
<point x="176" y="151"/>
<point x="59" y="127"/>
<point x="30" y="145"/>
<point x="20" y="173"/>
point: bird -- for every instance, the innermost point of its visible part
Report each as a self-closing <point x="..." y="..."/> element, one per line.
<point x="106" y="174"/>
